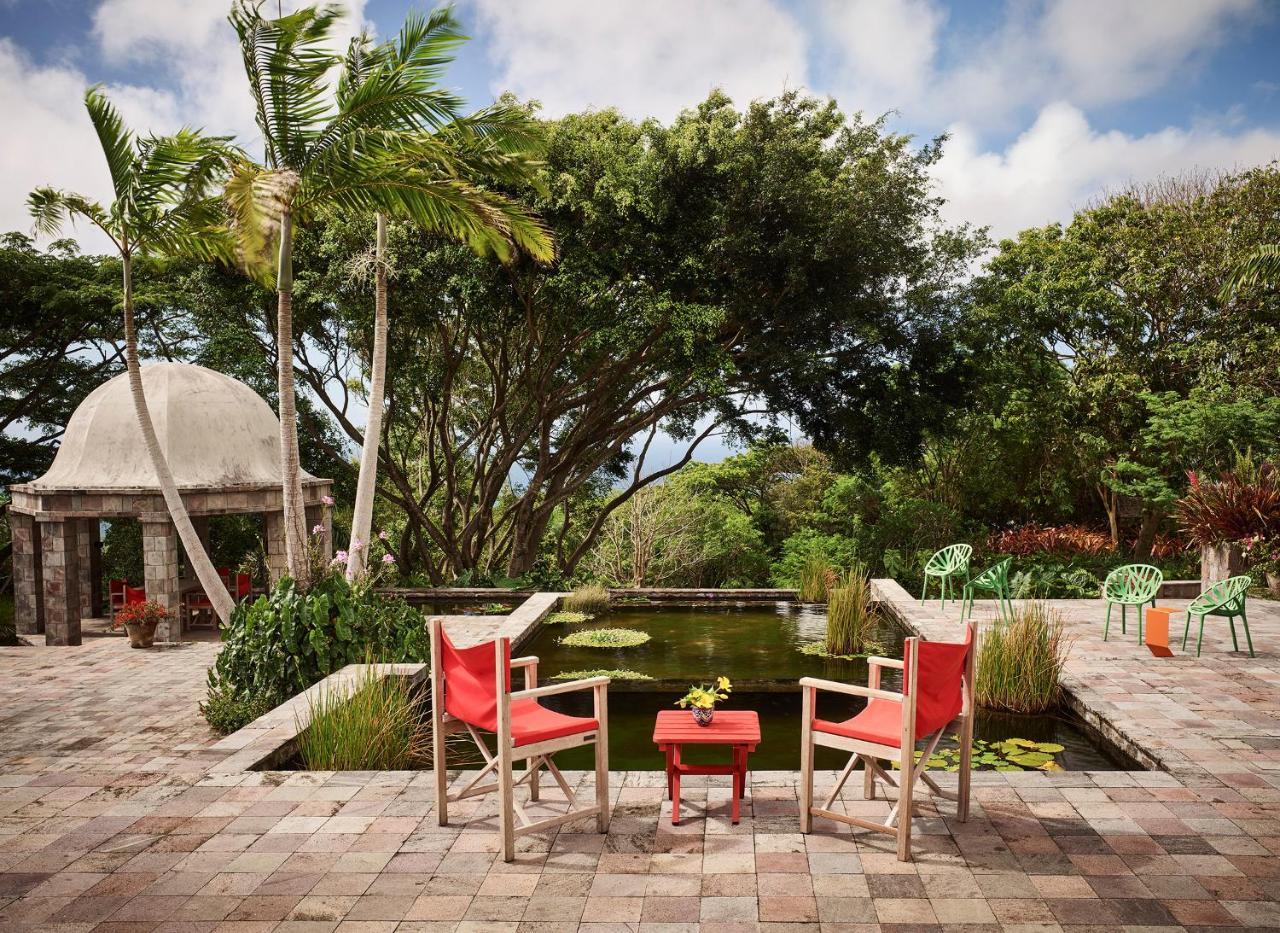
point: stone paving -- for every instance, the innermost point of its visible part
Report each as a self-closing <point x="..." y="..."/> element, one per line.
<point x="110" y="819"/>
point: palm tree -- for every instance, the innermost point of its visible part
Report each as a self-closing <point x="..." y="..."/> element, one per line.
<point x="163" y="206"/>
<point x="497" y="142"/>
<point x="350" y="152"/>
<point x="1261" y="267"/>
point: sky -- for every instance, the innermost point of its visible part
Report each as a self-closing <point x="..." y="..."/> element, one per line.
<point x="1048" y="104"/>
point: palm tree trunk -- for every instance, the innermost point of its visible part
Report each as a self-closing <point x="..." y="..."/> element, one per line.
<point x="197" y="557"/>
<point x="297" y="555"/>
<point x="362" y="519"/>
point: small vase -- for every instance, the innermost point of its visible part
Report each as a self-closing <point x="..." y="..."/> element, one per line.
<point x="703" y="717"/>
<point x="1273" y="583"/>
<point x="141" y="635"/>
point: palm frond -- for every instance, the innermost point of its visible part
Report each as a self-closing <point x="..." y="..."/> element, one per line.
<point x="1260" y="268"/>
<point x="50" y="208"/>
<point x="256" y="198"/>
<point x="114" y="137"/>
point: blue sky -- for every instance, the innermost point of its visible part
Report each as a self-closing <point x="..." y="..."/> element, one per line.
<point x="1049" y="103"/>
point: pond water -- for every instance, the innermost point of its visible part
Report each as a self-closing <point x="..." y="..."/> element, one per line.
<point x="756" y="646"/>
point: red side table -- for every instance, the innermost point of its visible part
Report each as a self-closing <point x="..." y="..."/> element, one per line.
<point x="739" y="729"/>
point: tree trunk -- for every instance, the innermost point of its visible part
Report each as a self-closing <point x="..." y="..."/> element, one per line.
<point x="197" y="556"/>
<point x="297" y="555"/>
<point x="1111" y="503"/>
<point x="366" y="485"/>
<point x="1147" y="533"/>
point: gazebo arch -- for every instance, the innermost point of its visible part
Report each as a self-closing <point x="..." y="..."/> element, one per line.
<point x="222" y="443"/>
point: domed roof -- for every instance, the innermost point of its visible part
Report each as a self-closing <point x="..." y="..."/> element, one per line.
<point x="214" y="431"/>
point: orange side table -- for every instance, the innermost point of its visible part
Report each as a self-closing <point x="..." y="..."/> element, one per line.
<point x="1158" y="630"/>
<point x="737" y="728"/>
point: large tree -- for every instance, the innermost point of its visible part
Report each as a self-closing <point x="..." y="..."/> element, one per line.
<point x="163" y="189"/>
<point x="785" y="259"/>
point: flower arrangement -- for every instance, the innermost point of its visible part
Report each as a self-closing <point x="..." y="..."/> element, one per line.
<point x="146" y="613"/>
<point x="702" y="699"/>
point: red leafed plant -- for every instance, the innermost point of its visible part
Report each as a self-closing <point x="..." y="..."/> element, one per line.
<point x="1041" y="539"/>
<point x="1234" y="507"/>
<point x="148" y="612"/>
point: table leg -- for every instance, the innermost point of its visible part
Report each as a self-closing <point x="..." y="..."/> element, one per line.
<point x="668" y="751"/>
<point x="675" y="786"/>
<point x="737" y="784"/>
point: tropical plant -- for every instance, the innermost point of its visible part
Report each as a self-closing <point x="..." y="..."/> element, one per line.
<point x="1236" y="506"/>
<point x="375" y="724"/>
<point x="706" y="696"/>
<point x="591" y="598"/>
<point x="1020" y="661"/>
<point x="851" y="614"/>
<point x="163" y="205"/>
<point x="497" y="143"/>
<point x="606" y="638"/>
<point x="1260" y="268"/>
<point x="349" y="152"/>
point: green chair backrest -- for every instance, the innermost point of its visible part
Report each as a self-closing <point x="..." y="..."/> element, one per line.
<point x="995" y="574"/>
<point x="950" y="559"/>
<point x="1225" y="594"/>
<point x="1133" y="583"/>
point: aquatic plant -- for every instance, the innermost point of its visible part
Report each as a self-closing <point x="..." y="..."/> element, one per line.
<point x="1006" y="755"/>
<point x="592" y="598"/>
<point x="568" y="617"/>
<point x="374" y="725"/>
<point x="818" y="649"/>
<point x="606" y="638"/>
<point x="612" y="673"/>
<point x="1019" y="666"/>
<point x="494" y="609"/>
<point x="815" y="575"/>
<point x="850" y="614"/>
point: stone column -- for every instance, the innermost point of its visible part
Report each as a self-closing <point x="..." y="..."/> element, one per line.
<point x="88" y="538"/>
<point x="1219" y="562"/>
<point x="60" y="562"/>
<point x="276" y="562"/>
<point x="160" y="574"/>
<point x="28" y="604"/>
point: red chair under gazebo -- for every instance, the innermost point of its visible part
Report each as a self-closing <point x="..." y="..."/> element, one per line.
<point x="471" y="692"/>
<point x="937" y="688"/>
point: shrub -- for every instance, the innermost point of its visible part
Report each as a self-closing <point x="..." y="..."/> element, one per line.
<point x="1019" y="665"/>
<point x="1237" y="506"/>
<point x="850" y="614"/>
<point x="797" y="550"/>
<point x="606" y="638"/>
<point x="286" y="641"/>
<point x="227" y="711"/>
<point x="8" y="625"/>
<point x="374" y="726"/>
<point x="591" y="598"/>
<point x="1037" y="539"/>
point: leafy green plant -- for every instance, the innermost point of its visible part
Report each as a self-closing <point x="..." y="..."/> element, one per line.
<point x="850" y="614"/>
<point x="494" y="609"/>
<point x="226" y="711"/>
<point x="1019" y="665"/>
<point x="818" y="649"/>
<point x="1006" y="755"/>
<point x="606" y="638"/>
<point x="592" y="598"/>
<point x="286" y="641"/>
<point x="569" y="617"/>
<point x="374" y="725"/>
<point x="612" y="673"/>
<point x="815" y="575"/>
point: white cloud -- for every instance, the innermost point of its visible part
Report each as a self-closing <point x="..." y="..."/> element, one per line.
<point x="1060" y="163"/>
<point x="650" y="59"/>
<point x="886" y="54"/>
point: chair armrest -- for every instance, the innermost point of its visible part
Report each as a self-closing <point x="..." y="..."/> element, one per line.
<point x="568" y="686"/>
<point x="874" y="661"/>
<point x="527" y="661"/>
<point x="530" y="665"/>
<point x="833" y="686"/>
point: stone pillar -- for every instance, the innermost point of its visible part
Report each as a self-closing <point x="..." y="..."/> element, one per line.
<point x="160" y="574"/>
<point x="277" y="565"/>
<point x="1219" y="562"/>
<point x="60" y="561"/>
<point x="28" y="603"/>
<point x="88" y="540"/>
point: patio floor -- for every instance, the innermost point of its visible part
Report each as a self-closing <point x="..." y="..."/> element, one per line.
<point x="110" y="820"/>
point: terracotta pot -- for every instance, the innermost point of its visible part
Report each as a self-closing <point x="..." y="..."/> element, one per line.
<point x="141" y="634"/>
<point x="703" y="717"/>
<point x="1273" y="583"/>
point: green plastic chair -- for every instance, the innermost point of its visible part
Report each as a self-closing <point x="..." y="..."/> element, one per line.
<point x="945" y="564"/>
<point x="1130" y="585"/>
<point x="1224" y="598"/>
<point x="995" y="579"/>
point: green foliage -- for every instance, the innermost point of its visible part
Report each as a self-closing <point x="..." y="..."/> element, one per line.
<point x="1240" y="504"/>
<point x="1020" y="661"/>
<point x="569" y="617"/>
<point x="589" y="600"/>
<point x="374" y="725"/>
<point x="815" y="574"/>
<point x="8" y="628"/>
<point x="226" y="710"/>
<point x="606" y="638"/>
<point x="810" y="545"/>
<point x="286" y="641"/>
<point x="851" y="614"/>
<point x="1007" y="755"/>
<point x="613" y="672"/>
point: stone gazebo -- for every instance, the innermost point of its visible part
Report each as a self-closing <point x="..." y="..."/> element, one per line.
<point x="222" y="442"/>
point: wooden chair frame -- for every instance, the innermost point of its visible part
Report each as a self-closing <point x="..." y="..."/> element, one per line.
<point x="513" y="821"/>
<point x="871" y="753"/>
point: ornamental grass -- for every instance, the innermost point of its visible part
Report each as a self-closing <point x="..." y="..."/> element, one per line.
<point x="591" y="599"/>
<point x="377" y="724"/>
<point x="1020" y="661"/>
<point x="815" y="578"/>
<point x="851" y="616"/>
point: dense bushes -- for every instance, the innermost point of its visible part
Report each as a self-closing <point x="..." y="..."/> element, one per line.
<point x="286" y="641"/>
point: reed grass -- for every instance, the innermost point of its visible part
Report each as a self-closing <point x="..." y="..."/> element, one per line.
<point x="377" y="724"/>
<point x="851" y="616"/>
<point x="1020" y="661"/>
<point x="590" y="599"/>
<point x="815" y="578"/>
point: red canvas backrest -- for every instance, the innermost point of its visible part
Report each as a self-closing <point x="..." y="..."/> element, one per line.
<point x="243" y="585"/>
<point x="470" y="688"/>
<point x="134" y="594"/>
<point x="115" y="589"/>
<point x="941" y="668"/>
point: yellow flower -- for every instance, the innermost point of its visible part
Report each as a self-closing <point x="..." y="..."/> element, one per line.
<point x="722" y="683"/>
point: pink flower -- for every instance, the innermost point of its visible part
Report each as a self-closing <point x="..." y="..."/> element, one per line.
<point x="357" y="544"/>
<point x="382" y="536"/>
<point x="388" y="558"/>
<point x="318" y="530"/>
<point x="327" y="500"/>
<point x="340" y="557"/>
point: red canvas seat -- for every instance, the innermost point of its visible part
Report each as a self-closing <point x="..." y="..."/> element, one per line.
<point x="471" y="692"/>
<point x="937" y="688"/>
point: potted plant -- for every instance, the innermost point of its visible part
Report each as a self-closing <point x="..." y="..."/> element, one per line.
<point x="140" y="621"/>
<point x="702" y="699"/>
